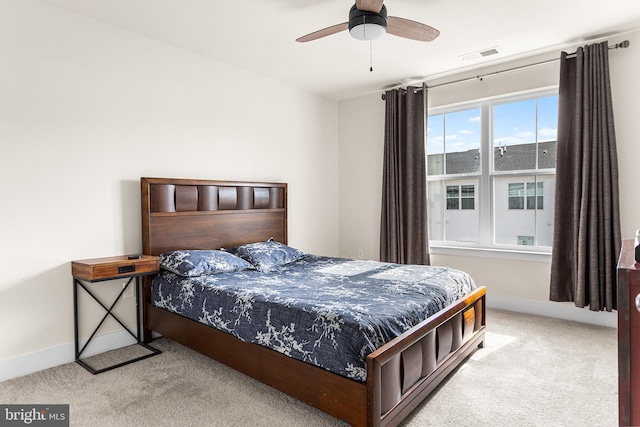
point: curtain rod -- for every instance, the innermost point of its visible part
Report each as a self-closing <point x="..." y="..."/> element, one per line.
<point x="622" y="45"/>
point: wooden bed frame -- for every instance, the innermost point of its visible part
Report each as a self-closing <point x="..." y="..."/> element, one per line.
<point x="204" y="214"/>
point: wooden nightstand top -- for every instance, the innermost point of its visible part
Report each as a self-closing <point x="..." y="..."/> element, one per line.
<point x="115" y="267"/>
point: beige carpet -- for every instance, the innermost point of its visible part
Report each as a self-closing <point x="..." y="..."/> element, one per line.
<point x="533" y="371"/>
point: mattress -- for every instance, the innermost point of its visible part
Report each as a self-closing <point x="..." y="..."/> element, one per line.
<point x="326" y="311"/>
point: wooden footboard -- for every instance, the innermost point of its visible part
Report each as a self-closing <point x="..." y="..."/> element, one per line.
<point x="403" y="372"/>
<point x="399" y="375"/>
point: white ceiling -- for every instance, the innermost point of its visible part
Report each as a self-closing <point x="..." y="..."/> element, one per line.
<point x="259" y="35"/>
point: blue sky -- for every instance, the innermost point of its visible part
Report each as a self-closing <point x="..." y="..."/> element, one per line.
<point x="514" y="123"/>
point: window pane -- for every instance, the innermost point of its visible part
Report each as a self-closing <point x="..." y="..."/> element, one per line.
<point x="467" y="194"/>
<point x="535" y="195"/>
<point x="435" y="202"/>
<point x="516" y="195"/>
<point x="547" y="131"/>
<point x="531" y="195"/>
<point x="453" y="191"/>
<point x="453" y="142"/>
<point x="525" y="240"/>
<point x="461" y="225"/>
<point x="457" y="225"/>
<point x="514" y="226"/>
<point x="540" y="195"/>
<point x="516" y="189"/>
<point x="453" y="197"/>
<point x="435" y="144"/>
<point x="468" y="203"/>
<point x="514" y="136"/>
<point x="467" y="190"/>
<point x="531" y="202"/>
<point x="516" y="202"/>
<point x="547" y="155"/>
<point x="462" y="141"/>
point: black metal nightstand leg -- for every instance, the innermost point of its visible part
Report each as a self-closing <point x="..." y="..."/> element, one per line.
<point x="109" y="312"/>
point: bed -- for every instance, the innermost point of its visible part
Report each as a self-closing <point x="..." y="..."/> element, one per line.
<point x="394" y="376"/>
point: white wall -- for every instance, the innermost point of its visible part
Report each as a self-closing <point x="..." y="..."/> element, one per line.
<point x="361" y="130"/>
<point x="519" y="284"/>
<point x="87" y="109"/>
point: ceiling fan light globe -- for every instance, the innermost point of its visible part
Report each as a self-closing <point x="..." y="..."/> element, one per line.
<point x="366" y="25"/>
<point x="367" y="31"/>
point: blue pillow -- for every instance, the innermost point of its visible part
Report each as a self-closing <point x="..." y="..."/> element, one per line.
<point x="197" y="262"/>
<point x="269" y="255"/>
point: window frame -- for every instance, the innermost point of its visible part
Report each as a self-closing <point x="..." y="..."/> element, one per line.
<point x="486" y="246"/>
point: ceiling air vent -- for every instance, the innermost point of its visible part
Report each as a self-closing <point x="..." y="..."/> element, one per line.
<point x="480" y="54"/>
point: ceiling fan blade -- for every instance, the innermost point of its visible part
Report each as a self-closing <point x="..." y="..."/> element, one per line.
<point x="369" y="5"/>
<point x="411" y="29"/>
<point x="324" y="32"/>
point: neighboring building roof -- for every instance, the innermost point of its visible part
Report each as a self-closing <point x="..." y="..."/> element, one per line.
<point x="507" y="158"/>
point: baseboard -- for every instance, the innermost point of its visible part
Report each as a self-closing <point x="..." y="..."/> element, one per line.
<point x="566" y="311"/>
<point x="59" y="355"/>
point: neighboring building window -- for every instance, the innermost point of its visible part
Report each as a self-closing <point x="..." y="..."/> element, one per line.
<point x="503" y="149"/>
<point x="461" y="197"/>
<point x="516" y="196"/>
<point x="534" y="195"/>
<point x="468" y="196"/>
<point x="525" y="240"/>
<point x="453" y="197"/>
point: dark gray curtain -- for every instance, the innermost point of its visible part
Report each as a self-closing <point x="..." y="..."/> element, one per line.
<point x="403" y="231"/>
<point x="586" y="239"/>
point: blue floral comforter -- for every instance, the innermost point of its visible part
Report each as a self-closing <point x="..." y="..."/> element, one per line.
<point x="330" y="312"/>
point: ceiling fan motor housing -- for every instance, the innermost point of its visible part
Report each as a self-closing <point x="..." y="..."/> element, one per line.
<point x="366" y="25"/>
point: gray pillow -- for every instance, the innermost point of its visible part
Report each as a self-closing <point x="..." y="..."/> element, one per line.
<point x="196" y="262"/>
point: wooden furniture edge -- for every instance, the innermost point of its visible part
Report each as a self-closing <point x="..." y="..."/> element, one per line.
<point x="416" y="394"/>
<point x="626" y="264"/>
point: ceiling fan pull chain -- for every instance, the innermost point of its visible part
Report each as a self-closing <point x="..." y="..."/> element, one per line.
<point x="370" y="55"/>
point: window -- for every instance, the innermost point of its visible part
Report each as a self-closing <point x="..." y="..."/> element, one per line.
<point x="534" y="195"/>
<point x="525" y="240"/>
<point x="453" y="197"/>
<point x="460" y="197"/>
<point x="516" y="196"/>
<point x="491" y="165"/>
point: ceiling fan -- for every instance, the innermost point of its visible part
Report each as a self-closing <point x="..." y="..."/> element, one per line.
<point x="368" y="20"/>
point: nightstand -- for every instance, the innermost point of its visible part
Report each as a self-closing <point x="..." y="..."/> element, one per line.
<point x="90" y="271"/>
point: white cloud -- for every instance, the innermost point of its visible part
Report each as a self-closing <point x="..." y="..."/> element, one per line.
<point x="548" y="134"/>
<point x="525" y="134"/>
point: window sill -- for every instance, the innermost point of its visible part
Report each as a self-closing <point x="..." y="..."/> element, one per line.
<point x="490" y="252"/>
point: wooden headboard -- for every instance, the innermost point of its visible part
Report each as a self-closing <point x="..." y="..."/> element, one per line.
<point x="206" y="214"/>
